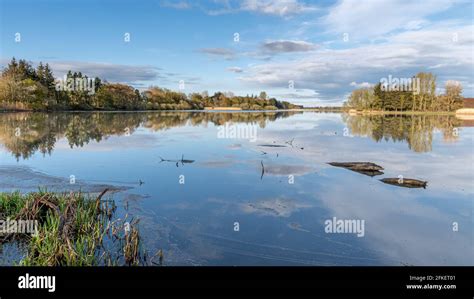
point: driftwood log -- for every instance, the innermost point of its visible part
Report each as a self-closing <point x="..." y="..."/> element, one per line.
<point x="405" y="182"/>
<point x="367" y="168"/>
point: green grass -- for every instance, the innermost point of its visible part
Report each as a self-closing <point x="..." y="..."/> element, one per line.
<point x="74" y="230"/>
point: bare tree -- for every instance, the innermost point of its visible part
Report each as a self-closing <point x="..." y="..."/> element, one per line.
<point x="453" y="95"/>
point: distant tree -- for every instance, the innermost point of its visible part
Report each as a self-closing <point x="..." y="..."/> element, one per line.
<point x="363" y="98"/>
<point x="98" y="83"/>
<point x="45" y="76"/>
<point x="40" y="71"/>
<point x="117" y="96"/>
<point x="20" y="70"/>
<point x="424" y="97"/>
<point x="452" y="99"/>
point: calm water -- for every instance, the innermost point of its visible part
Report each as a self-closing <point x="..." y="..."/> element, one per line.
<point x="192" y="210"/>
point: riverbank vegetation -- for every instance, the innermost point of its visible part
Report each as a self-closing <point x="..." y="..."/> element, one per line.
<point x="23" y="87"/>
<point x="72" y="230"/>
<point x="417" y="94"/>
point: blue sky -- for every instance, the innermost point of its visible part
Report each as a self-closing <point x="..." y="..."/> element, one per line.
<point x="324" y="48"/>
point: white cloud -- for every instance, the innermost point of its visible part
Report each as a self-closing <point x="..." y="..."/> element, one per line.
<point x="279" y="7"/>
<point x="287" y="46"/>
<point x="219" y="52"/>
<point x="305" y="97"/>
<point x="361" y="85"/>
<point x="235" y="69"/>
<point x="176" y="4"/>
<point x="110" y="72"/>
<point x="375" y="18"/>
<point x="403" y="54"/>
<point x="282" y="8"/>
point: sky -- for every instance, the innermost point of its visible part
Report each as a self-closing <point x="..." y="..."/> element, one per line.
<point x="312" y="53"/>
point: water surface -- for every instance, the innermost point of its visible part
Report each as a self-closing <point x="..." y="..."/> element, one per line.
<point x="190" y="210"/>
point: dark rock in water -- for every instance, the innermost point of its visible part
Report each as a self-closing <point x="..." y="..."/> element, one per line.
<point x="407" y="183"/>
<point x="367" y="168"/>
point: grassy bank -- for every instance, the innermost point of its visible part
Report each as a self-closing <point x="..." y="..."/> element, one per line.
<point x="73" y="230"/>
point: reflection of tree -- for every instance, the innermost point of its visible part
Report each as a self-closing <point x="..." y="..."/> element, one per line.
<point x="36" y="132"/>
<point x="416" y="130"/>
<point x="23" y="134"/>
<point x="420" y="136"/>
<point x="165" y="120"/>
<point x="84" y="127"/>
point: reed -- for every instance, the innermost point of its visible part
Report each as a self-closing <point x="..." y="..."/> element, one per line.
<point x="73" y="230"/>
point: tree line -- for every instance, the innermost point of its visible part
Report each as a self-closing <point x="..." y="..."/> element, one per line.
<point x="23" y="87"/>
<point x="416" y="94"/>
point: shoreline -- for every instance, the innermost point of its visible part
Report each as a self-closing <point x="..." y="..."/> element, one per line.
<point x="141" y="111"/>
<point x="350" y="112"/>
<point x="378" y="112"/>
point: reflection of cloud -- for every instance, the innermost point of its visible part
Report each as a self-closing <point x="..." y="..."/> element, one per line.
<point x="217" y="164"/>
<point x="112" y="143"/>
<point x="325" y="142"/>
<point x="234" y="146"/>
<point x="280" y="207"/>
<point x="284" y="170"/>
<point x="404" y="225"/>
<point x="400" y="226"/>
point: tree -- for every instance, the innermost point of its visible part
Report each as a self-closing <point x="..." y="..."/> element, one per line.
<point x="363" y="98"/>
<point x="117" y="96"/>
<point x="19" y="71"/>
<point x="40" y="71"/>
<point x="452" y="99"/>
<point x="425" y="95"/>
<point x="48" y="77"/>
<point x="24" y="87"/>
<point x="10" y="89"/>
